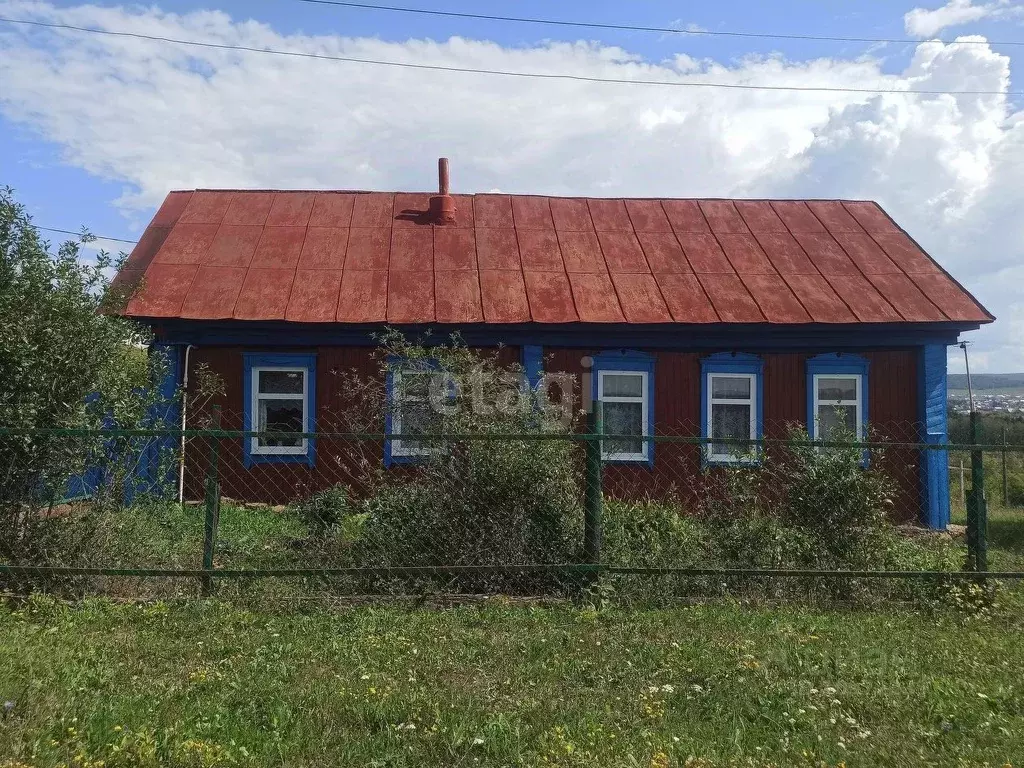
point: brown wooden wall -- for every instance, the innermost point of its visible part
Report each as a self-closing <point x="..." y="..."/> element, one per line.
<point x="892" y="413"/>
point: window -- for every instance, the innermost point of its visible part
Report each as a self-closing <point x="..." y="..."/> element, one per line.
<point x="836" y="395"/>
<point x="731" y="407"/>
<point x="419" y="398"/>
<point x="623" y="384"/>
<point x="279" y="397"/>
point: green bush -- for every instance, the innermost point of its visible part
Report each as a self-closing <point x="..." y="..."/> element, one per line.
<point x="324" y="510"/>
<point x="652" y="534"/>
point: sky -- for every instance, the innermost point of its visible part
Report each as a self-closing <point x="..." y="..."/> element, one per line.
<point x="95" y="129"/>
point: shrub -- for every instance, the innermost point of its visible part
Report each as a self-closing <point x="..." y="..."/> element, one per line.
<point x="652" y="534"/>
<point x="324" y="510"/>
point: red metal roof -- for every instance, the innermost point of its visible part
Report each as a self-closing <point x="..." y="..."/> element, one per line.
<point x="371" y="257"/>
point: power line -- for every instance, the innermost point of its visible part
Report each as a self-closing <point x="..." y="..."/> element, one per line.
<point x="506" y="73"/>
<point x="641" y="28"/>
<point x="79" y="234"/>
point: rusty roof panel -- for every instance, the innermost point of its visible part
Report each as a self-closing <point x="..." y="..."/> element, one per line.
<point x="723" y="217"/>
<point x="571" y="214"/>
<point x="581" y="252"/>
<point x="550" y="297"/>
<point x="515" y="256"/>
<point x="314" y="296"/>
<point x="704" y="254"/>
<point x="622" y="252"/>
<point x="785" y="254"/>
<point x="410" y="297"/>
<point x="532" y="212"/>
<point x="797" y="216"/>
<point x="411" y="209"/>
<point x="493" y="211"/>
<point x="945" y="293"/>
<point x="640" y="298"/>
<point x="368" y="248"/>
<point x="497" y="249"/>
<point x="906" y="298"/>
<point x="291" y="209"/>
<point x="145" y="250"/>
<point x="412" y="249"/>
<point x="213" y="293"/>
<point x="760" y="216"/>
<point x="861" y="297"/>
<point x="776" y="300"/>
<point x="171" y="209"/>
<point x="866" y="254"/>
<point x="834" y="216"/>
<point x="907" y="255"/>
<point x="686" y="298"/>
<point x="363" y="297"/>
<point x="371" y="209"/>
<point x="663" y="252"/>
<point x="279" y="247"/>
<point x="206" y="207"/>
<point x="595" y="298"/>
<point x="730" y="298"/>
<point x="264" y="294"/>
<point x="648" y="216"/>
<point x="685" y="216"/>
<point x="609" y="215"/>
<point x="324" y="248"/>
<point x="187" y="244"/>
<point x="503" y="295"/>
<point x="233" y="246"/>
<point x="871" y="217"/>
<point x="539" y="251"/>
<point x="826" y="254"/>
<point x="745" y="255"/>
<point x="163" y="291"/>
<point x="333" y="209"/>
<point x="819" y="299"/>
<point x="454" y="248"/>
<point x="457" y="294"/>
<point x="249" y="208"/>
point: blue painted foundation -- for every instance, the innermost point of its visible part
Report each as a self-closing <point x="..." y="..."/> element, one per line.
<point x="932" y="414"/>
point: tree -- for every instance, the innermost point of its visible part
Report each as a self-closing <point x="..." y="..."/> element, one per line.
<point x="67" y="360"/>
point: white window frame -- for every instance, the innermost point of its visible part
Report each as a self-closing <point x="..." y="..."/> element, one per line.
<point x="859" y="378"/>
<point x="398" y="446"/>
<point x="643" y="399"/>
<point x="279" y="450"/>
<point x="732" y="457"/>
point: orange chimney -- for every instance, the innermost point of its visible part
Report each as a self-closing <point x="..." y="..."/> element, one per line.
<point x="442" y="205"/>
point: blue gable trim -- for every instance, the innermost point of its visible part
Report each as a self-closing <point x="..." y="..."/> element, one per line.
<point x="931" y="397"/>
<point x="291" y="360"/>
<point x="627" y="360"/>
<point x="729" y="362"/>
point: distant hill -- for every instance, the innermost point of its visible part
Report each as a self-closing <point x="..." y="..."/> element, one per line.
<point x="983" y="381"/>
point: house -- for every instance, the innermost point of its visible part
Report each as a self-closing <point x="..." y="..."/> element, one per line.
<point x="721" y="318"/>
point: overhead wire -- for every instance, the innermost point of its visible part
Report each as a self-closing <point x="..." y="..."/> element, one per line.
<point x="508" y="73"/>
<point x="80" y="234"/>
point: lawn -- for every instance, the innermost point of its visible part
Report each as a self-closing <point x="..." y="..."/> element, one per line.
<point x="207" y="684"/>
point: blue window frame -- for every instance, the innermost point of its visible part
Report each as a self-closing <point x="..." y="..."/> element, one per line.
<point x="412" y="408"/>
<point x="732" y="399"/>
<point x="837" y="394"/>
<point x="623" y="382"/>
<point x="280" y="395"/>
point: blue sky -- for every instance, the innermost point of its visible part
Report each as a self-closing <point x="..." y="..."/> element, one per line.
<point x="80" y="148"/>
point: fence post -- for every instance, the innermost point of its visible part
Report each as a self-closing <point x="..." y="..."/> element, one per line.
<point x="1006" y="500"/>
<point x="212" y="504"/>
<point x="977" y="513"/>
<point x="592" y="497"/>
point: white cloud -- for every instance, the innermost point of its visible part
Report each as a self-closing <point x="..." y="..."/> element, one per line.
<point x="922" y="22"/>
<point x="155" y="116"/>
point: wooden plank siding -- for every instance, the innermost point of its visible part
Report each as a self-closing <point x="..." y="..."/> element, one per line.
<point x="892" y="406"/>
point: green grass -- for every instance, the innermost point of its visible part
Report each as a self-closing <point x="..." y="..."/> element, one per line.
<point x="205" y="684"/>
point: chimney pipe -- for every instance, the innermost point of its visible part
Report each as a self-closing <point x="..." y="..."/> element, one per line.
<point x="442" y="205"/>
